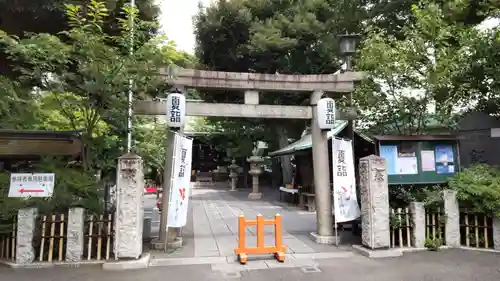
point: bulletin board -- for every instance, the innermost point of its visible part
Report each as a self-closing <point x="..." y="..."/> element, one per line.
<point x="420" y="162"/>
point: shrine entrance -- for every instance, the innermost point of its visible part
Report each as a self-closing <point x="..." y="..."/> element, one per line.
<point x="317" y="86"/>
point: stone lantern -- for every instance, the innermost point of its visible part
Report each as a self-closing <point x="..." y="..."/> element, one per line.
<point x="255" y="170"/>
<point x="233" y="175"/>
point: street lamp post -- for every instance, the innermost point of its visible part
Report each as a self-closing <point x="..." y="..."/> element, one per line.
<point x="348" y="46"/>
<point x="130" y="82"/>
<point x="347" y="49"/>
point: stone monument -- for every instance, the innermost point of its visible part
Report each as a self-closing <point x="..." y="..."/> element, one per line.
<point x="129" y="207"/>
<point x="374" y="191"/>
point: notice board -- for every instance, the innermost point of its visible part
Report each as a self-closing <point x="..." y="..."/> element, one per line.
<point x="419" y="161"/>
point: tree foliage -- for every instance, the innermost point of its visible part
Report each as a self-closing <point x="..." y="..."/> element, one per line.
<point x="265" y="36"/>
<point x="478" y="188"/>
<point x="78" y="80"/>
<point x="83" y="75"/>
<point x="22" y="17"/>
<point x="425" y="70"/>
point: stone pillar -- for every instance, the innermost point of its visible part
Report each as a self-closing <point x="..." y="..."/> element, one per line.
<point x="74" y="246"/>
<point x="374" y="190"/>
<point x="234" y="175"/>
<point x="496" y="233"/>
<point x="417" y="211"/>
<point x="129" y="207"/>
<point x="321" y="170"/>
<point x="452" y="224"/>
<point x="26" y="225"/>
<point x="255" y="171"/>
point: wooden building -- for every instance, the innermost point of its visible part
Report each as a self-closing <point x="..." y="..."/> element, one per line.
<point x="20" y="147"/>
<point x="302" y="153"/>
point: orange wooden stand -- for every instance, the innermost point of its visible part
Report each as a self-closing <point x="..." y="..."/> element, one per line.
<point x="278" y="249"/>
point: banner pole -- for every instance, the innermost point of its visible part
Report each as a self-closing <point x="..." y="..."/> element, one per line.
<point x="335" y="205"/>
<point x="172" y="177"/>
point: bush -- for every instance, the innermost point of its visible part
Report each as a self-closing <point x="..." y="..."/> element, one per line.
<point x="73" y="188"/>
<point x="478" y="189"/>
<point x="433" y="244"/>
<point x="400" y="196"/>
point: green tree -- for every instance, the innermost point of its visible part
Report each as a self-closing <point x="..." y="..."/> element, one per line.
<point x="408" y="76"/>
<point x="21" y="17"/>
<point x="83" y="78"/>
<point x="265" y="36"/>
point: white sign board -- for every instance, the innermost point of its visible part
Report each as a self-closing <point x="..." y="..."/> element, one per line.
<point x="344" y="182"/>
<point x="181" y="182"/>
<point x="31" y="185"/>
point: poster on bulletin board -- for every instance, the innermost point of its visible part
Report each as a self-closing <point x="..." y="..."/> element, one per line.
<point x="390" y="154"/>
<point x="445" y="163"/>
<point x="428" y="161"/>
<point x="398" y="163"/>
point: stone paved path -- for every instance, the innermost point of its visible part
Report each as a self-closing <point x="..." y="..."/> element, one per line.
<point x="212" y="227"/>
<point x="215" y="223"/>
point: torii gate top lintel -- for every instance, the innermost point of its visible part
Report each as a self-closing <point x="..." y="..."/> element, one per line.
<point x="251" y="84"/>
<point x="204" y="79"/>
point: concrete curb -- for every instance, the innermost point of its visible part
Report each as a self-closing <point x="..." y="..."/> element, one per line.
<point x="38" y="265"/>
<point x="397" y="252"/>
<point x="386" y="253"/>
<point x="141" y="263"/>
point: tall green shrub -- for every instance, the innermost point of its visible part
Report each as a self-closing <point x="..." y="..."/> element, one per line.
<point x="478" y="188"/>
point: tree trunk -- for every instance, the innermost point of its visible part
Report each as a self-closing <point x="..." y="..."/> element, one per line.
<point x="286" y="161"/>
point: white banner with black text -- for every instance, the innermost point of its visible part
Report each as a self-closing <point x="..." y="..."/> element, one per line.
<point x="181" y="182"/>
<point x="345" y="201"/>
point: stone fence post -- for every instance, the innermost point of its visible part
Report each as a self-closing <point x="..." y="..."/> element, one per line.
<point x="417" y="211"/>
<point x="374" y="190"/>
<point x="496" y="233"/>
<point x="452" y="224"/>
<point x="26" y="225"/>
<point x="129" y="213"/>
<point x="74" y="246"/>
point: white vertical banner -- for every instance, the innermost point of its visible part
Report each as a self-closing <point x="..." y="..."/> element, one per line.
<point x="181" y="182"/>
<point x="345" y="200"/>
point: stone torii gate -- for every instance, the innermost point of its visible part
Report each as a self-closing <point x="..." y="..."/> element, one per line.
<point x="333" y="85"/>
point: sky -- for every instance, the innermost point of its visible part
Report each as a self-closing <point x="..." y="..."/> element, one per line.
<point x="176" y="21"/>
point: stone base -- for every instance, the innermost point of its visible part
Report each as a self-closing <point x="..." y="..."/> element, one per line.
<point x="233" y="190"/>
<point x="159" y="245"/>
<point x="377" y="253"/>
<point x="328" y="240"/>
<point x="255" y="196"/>
<point x="141" y="263"/>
